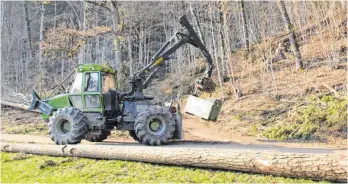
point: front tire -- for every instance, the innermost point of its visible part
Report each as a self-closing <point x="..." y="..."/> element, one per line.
<point x="67" y="126"/>
<point x="155" y="126"/>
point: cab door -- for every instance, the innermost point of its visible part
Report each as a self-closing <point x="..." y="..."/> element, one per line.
<point x="91" y="93"/>
<point x="75" y="93"/>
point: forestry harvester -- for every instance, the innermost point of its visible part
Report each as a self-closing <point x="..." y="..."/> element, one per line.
<point x="93" y="107"/>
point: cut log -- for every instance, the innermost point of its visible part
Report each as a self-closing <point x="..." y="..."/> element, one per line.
<point x="332" y="167"/>
<point x="18" y="106"/>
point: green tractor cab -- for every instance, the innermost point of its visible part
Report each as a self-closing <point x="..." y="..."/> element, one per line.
<point x="85" y="93"/>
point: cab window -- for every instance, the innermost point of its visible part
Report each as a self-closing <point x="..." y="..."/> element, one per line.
<point x="92" y="101"/>
<point x="76" y="87"/>
<point x="108" y="83"/>
<point x="91" y="82"/>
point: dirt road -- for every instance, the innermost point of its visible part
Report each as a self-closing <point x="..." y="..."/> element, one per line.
<point x="184" y="144"/>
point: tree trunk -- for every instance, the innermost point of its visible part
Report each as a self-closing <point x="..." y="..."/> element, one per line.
<point x="27" y="22"/>
<point x="17" y="105"/>
<point x="82" y="51"/>
<point x="229" y="64"/>
<point x="116" y="32"/>
<point x="130" y="58"/>
<point x="289" y="28"/>
<point x="332" y="167"/>
<point x="215" y="51"/>
<point x="245" y="27"/>
<point x="41" y="61"/>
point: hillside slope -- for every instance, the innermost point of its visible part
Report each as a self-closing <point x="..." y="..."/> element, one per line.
<point x="275" y="101"/>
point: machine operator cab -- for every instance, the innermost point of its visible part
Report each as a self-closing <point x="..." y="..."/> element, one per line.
<point x="91" y="82"/>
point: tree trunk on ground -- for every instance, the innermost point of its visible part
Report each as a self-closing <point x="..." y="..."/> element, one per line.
<point x="331" y="167"/>
<point x="292" y="37"/>
<point x="17" y="105"/>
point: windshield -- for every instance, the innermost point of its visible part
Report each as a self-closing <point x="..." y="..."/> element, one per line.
<point x="76" y="87"/>
<point x="91" y="82"/>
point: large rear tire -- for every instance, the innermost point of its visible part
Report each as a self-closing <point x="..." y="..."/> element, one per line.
<point x="155" y="126"/>
<point x="97" y="137"/>
<point x="67" y="126"/>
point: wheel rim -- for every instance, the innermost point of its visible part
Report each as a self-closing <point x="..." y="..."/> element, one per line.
<point x="63" y="126"/>
<point x="156" y="126"/>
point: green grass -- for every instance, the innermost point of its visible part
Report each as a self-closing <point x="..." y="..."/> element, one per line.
<point x="321" y="117"/>
<point x="19" y="168"/>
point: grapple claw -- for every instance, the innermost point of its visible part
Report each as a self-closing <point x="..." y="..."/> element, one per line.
<point x="205" y="85"/>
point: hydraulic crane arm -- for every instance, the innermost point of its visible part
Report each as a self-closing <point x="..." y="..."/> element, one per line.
<point x="142" y="78"/>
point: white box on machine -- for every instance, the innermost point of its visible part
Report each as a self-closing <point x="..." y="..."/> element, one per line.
<point x="206" y="109"/>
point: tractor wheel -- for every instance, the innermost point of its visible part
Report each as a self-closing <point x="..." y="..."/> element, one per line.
<point x="97" y="137"/>
<point x="155" y="126"/>
<point x="67" y="126"/>
<point x="133" y="135"/>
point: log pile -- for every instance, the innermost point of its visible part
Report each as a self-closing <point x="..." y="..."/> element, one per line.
<point x="332" y="167"/>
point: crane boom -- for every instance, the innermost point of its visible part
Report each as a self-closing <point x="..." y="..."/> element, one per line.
<point x="142" y="78"/>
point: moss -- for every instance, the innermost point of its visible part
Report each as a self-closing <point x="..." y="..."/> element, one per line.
<point x="325" y="114"/>
<point x="81" y="170"/>
<point x="280" y="132"/>
<point x="253" y="131"/>
<point x="238" y="117"/>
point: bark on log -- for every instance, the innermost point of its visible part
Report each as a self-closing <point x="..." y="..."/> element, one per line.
<point x="332" y="167"/>
<point x="18" y="106"/>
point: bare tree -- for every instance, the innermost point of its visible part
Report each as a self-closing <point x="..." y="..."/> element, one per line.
<point x="289" y="28"/>
<point x="41" y="45"/>
<point x="245" y="26"/>
<point x="116" y="29"/>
